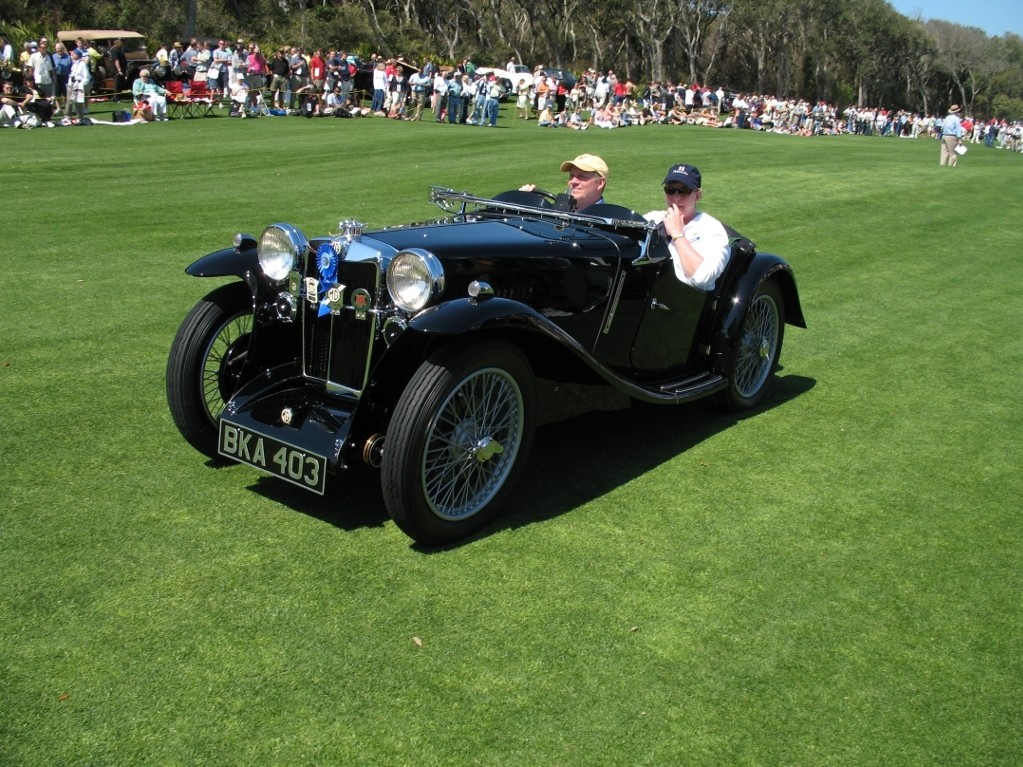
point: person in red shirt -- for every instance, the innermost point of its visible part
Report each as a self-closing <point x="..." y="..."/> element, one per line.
<point x="318" y="70"/>
<point x="621" y="91"/>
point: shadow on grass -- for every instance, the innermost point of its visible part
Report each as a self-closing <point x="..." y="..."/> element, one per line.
<point x="351" y="501"/>
<point x="586" y="456"/>
<point x="573" y="461"/>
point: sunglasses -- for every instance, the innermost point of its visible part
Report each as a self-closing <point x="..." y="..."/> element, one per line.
<point x="678" y="190"/>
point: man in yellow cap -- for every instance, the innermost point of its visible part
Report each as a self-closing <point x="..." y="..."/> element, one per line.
<point x="587" y="178"/>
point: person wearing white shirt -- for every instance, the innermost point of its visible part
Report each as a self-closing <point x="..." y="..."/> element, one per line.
<point x="698" y="242"/>
<point x="440" y="95"/>
<point x="6" y="54"/>
<point x="239" y="88"/>
<point x="41" y="64"/>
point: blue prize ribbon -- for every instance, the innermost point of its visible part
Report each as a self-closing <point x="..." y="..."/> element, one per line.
<point x="326" y="263"/>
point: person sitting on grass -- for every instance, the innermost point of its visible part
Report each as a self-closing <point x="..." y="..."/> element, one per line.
<point x="575" y="121"/>
<point x="12" y="114"/>
<point x="546" y="118"/>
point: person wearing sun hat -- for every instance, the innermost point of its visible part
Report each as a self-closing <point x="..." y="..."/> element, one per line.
<point x="951" y="136"/>
<point x="587" y="179"/>
<point x="698" y="242"/>
<point x="239" y="91"/>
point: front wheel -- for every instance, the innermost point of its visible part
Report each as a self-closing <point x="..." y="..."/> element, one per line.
<point x="204" y="368"/>
<point x="755" y="353"/>
<point x="458" y="440"/>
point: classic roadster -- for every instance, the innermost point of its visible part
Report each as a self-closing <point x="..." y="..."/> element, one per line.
<point x="417" y="349"/>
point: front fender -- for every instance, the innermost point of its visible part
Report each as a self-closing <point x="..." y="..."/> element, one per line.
<point x="468" y="318"/>
<point x="466" y="315"/>
<point x="229" y="262"/>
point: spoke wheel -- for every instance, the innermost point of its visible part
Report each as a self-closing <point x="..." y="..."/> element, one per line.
<point x="458" y="439"/>
<point x="754" y="358"/>
<point x="206" y="362"/>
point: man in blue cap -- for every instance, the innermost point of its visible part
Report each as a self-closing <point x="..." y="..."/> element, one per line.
<point x="698" y="242"/>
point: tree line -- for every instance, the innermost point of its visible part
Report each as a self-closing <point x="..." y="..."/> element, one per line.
<point x="860" y="52"/>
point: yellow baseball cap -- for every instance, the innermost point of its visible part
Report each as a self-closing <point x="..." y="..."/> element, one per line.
<point x="587" y="162"/>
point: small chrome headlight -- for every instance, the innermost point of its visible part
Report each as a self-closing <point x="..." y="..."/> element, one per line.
<point x="415" y="278"/>
<point x="280" y="248"/>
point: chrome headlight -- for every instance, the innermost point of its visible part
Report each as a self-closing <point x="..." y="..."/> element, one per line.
<point x="280" y="248"/>
<point x="415" y="278"/>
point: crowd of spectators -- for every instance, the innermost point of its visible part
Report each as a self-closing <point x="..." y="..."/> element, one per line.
<point x="51" y="80"/>
<point x="322" y="83"/>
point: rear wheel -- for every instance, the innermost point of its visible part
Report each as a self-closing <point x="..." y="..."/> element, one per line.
<point x="754" y="358"/>
<point x="458" y="440"/>
<point x="204" y="368"/>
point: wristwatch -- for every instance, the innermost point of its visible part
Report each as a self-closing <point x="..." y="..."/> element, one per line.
<point x="677" y="237"/>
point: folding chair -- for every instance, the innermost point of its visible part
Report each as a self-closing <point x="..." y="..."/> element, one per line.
<point x="177" y="102"/>
<point x="200" y="99"/>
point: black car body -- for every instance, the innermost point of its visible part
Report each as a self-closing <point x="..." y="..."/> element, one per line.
<point x="562" y="75"/>
<point x="363" y="79"/>
<point x="415" y="349"/>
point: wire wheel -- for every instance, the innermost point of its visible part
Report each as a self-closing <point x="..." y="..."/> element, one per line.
<point x="223" y="361"/>
<point x="757" y="349"/>
<point x="457" y="441"/>
<point x="472" y="444"/>
<point x="206" y="363"/>
<point x="758" y="346"/>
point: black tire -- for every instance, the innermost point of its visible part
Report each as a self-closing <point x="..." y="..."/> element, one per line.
<point x="754" y="357"/>
<point x="458" y="439"/>
<point x="205" y="364"/>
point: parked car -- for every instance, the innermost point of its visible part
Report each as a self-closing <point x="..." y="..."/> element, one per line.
<point x="563" y="75"/>
<point x="363" y="79"/>
<point x="416" y="349"/>
<point x="509" y="79"/>
<point x="134" y="50"/>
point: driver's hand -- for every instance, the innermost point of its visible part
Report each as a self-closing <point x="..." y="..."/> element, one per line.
<point x="527" y="188"/>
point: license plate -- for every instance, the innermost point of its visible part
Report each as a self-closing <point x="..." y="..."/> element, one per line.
<point x="290" y="463"/>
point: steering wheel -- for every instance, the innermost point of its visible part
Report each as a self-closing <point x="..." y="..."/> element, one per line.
<point x="537" y="198"/>
<point x="545" y="194"/>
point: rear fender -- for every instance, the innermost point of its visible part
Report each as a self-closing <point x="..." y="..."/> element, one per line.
<point x="764" y="267"/>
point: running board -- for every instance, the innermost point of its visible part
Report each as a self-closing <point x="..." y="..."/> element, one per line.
<point x="694" y="386"/>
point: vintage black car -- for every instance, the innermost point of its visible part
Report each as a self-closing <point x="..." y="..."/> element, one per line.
<point x="417" y="349"/>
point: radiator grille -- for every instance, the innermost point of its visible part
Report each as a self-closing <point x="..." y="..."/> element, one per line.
<point x="337" y="347"/>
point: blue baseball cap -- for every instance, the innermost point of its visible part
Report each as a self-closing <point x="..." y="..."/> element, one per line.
<point x="687" y="175"/>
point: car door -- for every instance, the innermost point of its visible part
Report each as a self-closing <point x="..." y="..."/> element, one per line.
<point x="669" y="314"/>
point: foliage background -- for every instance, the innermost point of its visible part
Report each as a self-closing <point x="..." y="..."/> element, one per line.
<point x="843" y="51"/>
<point x="833" y="580"/>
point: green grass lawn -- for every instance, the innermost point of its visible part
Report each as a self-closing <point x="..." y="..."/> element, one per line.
<point x="833" y="580"/>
